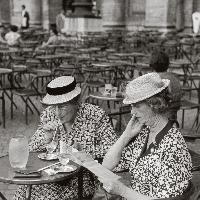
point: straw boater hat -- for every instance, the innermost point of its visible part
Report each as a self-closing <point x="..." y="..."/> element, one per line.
<point x="144" y="87"/>
<point x="61" y="90"/>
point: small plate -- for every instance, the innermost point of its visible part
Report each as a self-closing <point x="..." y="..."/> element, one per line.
<point x="45" y="156"/>
<point x="60" y="169"/>
<point x="66" y="168"/>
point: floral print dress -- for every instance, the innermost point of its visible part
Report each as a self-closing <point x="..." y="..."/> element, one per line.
<point x="92" y="129"/>
<point x="164" y="169"/>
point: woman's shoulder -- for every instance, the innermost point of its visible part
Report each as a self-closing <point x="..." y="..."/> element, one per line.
<point x="174" y="138"/>
<point x="91" y="110"/>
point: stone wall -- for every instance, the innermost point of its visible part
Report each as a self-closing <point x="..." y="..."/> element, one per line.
<point x="5" y="11"/>
<point x="116" y="14"/>
<point x="135" y="14"/>
<point x="160" y="14"/>
<point x="188" y="10"/>
<point x="55" y="7"/>
<point x="113" y="14"/>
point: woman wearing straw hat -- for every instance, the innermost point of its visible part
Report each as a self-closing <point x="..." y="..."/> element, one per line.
<point x="150" y="147"/>
<point x="69" y="121"/>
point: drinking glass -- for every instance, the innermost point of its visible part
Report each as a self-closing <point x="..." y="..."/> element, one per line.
<point x="18" y="152"/>
<point x="64" y="158"/>
<point x="65" y="153"/>
<point x="51" y="147"/>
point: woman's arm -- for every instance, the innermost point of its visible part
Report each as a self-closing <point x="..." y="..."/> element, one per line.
<point x="118" y="188"/>
<point x="113" y="156"/>
<point x="105" y="136"/>
<point x="50" y="41"/>
<point x="130" y="194"/>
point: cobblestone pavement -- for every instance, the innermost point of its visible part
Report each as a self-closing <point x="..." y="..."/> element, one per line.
<point x="17" y="125"/>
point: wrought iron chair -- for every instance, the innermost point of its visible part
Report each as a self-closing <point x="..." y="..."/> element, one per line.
<point x="32" y="85"/>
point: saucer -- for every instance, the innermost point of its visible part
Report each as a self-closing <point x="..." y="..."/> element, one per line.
<point x="45" y="156"/>
<point x="65" y="168"/>
<point x="60" y="169"/>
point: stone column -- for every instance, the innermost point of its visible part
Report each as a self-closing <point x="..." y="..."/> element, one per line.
<point x="188" y="10"/>
<point x="160" y="14"/>
<point x="55" y="6"/>
<point x="45" y="14"/>
<point x="113" y="14"/>
<point x="180" y="15"/>
<point x="4" y="12"/>
<point x="82" y="8"/>
<point x="135" y="14"/>
<point x="32" y="6"/>
<point x="98" y="4"/>
<point x="50" y="9"/>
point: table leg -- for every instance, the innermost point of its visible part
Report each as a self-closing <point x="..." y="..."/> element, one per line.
<point x="2" y="196"/>
<point x="28" y="192"/>
<point x="80" y="184"/>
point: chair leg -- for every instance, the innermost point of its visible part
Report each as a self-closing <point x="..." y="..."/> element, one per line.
<point x="28" y="99"/>
<point x="24" y="100"/>
<point x="26" y="110"/>
<point x="183" y="116"/>
<point x="3" y="111"/>
<point x="11" y="106"/>
<point x="80" y="184"/>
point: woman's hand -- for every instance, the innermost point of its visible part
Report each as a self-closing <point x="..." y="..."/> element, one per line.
<point x="133" y="127"/>
<point x="49" y="129"/>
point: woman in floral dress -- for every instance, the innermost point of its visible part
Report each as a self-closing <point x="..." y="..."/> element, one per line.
<point x="151" y="147"/>
<point x="85" y="124"/>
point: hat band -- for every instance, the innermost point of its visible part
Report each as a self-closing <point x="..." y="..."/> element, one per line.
<point x="61" y="90"/>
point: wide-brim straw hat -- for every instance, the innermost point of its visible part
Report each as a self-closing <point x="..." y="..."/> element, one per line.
<point x="144" y="87"/>
<point x="61" y="90"/>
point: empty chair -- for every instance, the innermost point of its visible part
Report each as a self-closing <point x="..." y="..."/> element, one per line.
<point x="32" y="85"/>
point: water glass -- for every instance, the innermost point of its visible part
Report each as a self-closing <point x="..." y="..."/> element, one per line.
<point x="64" y="158"/>
<point x="18" y="152"/>
<point x="114" y="91"/>
<point x="51" y="147"/>
<point x="64" y="147"/>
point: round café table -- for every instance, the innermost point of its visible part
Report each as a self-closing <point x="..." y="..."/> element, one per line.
<point x="34" y="163"/>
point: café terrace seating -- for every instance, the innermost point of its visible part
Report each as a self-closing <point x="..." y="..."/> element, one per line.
<point x="95" y="60"/>
<point x="32" y="85"/>
<point x="88" y="49"/>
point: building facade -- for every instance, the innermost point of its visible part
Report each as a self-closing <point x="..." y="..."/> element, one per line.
<point x="115" y="14"/>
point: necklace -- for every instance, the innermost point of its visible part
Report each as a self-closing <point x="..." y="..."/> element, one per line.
<point x="156" y="125"/>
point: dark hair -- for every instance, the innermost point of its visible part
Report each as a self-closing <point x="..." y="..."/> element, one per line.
<point x="23" y="6"/>
<point x="54" y="31"/>
<point x="159" y="103"/>
<point x="159" y="61"/>
<point x="13" y="28"/>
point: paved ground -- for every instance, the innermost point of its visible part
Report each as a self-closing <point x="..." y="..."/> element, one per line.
<point x="17" y="125"/>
